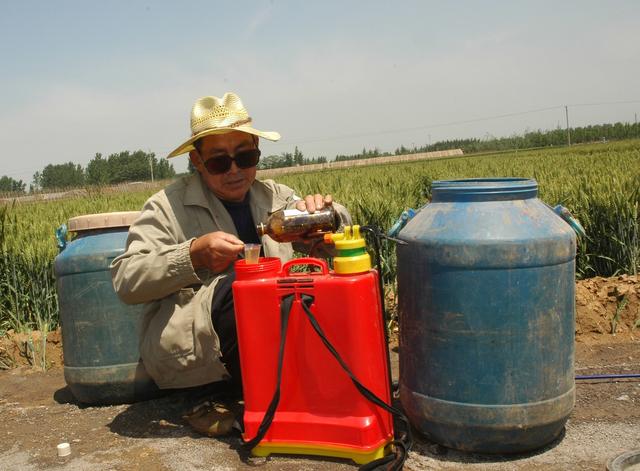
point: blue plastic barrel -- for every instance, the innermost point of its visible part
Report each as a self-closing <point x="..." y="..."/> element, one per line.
<point x="487" y="308"/>
<point x="99" y="332"/>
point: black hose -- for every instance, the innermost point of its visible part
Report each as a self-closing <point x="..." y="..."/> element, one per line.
<point x="375" y="231"/>
<point x="620" y="376"/>
<point x="377" y="235"/>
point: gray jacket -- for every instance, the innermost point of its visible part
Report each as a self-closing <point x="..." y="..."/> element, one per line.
<point x="178" y="345"/>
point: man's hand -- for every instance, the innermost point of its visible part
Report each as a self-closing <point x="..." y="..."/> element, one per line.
<point x="215" y="251"/>
<point x="313" y="203"/>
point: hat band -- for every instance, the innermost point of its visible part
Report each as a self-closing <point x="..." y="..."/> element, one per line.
<point x="232" y="125"/>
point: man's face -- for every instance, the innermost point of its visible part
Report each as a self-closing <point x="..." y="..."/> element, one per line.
<point x="233" y="184"/>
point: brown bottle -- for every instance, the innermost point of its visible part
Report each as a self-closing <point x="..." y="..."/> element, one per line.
<point x="290" y="225"/>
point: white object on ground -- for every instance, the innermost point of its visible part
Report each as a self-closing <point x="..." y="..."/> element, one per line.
<point x="64" y="449"/>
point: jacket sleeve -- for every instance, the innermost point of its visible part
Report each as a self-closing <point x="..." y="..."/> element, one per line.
<point x="156" y="262"/>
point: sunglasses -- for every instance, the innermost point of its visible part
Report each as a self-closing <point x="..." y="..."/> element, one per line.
<point x="243" y="159"/>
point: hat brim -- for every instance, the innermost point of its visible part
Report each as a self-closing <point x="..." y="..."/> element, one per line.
<point x="187" y="146"/>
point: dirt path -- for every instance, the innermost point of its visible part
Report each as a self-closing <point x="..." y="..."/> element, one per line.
<point x="38" y="412"/>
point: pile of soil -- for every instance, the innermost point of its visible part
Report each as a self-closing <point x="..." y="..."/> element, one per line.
<point x="607" y="311"/>
<point x="30" y="349"/>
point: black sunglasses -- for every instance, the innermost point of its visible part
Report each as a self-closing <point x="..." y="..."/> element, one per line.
<point x="243" y="159"/>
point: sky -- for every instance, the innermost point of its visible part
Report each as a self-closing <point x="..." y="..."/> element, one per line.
<point x="333" y="77"/>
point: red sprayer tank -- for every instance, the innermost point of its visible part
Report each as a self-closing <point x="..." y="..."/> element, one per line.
<point x="320" y="409"/>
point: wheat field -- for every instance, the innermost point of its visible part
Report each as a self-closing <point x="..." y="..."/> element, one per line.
<point x="599" y="183"/>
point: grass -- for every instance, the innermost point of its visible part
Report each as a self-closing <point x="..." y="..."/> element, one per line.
<point x="622" y="303"/>
<point x="599" y="183"/>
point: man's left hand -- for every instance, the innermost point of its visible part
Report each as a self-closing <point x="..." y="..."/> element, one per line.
<point x="313" y="203"/>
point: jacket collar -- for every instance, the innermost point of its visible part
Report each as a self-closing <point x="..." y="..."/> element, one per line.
<point x="262" y="202"/>
<point x="198" y="194"/>
<point x="194" y="194"/>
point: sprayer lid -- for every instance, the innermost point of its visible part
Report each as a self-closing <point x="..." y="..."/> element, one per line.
<point x="102" y="220"/>
<point x="349" y="239"/>
<point x="352" y="255"/>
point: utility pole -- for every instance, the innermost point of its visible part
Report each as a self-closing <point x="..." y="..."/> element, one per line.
<point x="566" y="112"/>
<point x="151" y="165"/>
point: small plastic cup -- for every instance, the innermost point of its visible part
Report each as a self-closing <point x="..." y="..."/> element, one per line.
<point x="251" y="253"/>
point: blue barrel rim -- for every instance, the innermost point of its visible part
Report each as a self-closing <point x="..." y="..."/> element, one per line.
<point x="475" y="189"/>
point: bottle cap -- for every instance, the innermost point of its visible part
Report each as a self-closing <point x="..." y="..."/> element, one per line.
<point x="349" y="239"/>
<point x="64" y="449"/>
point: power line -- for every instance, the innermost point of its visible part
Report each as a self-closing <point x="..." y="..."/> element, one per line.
<point x="606" y="103"/>
<point x="19" y="172"/>
<point x="419" y="128"/>
<point x="415" y="128"/>
<point x="308" y="140"/>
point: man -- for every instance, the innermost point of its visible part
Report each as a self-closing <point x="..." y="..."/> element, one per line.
<point x="181" y="249"/>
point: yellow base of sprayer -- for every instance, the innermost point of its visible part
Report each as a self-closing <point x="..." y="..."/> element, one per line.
<point x="358" y="456"/>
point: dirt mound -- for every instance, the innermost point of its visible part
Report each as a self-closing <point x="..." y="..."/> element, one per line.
<point x="31" y="349"/>
<point x="608" y="309"/>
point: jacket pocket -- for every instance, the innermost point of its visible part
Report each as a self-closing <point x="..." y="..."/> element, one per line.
<point x="168" y="341"/>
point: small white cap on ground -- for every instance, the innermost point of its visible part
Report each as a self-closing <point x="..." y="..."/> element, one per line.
<point x="64" y="449"/>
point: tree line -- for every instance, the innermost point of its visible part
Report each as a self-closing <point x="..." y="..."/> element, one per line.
<point x="530" y="139"/>
<point x="288" y="159"/>
<point x="137" y="166"/>
<point x="9" y="185"/>
<point x="116" y="168"/>
<point x="370" y="154"/>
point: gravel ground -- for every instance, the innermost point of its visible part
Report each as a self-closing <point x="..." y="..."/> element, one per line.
<point x="38" y="412"/>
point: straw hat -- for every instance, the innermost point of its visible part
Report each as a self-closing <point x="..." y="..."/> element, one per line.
<point x="213" y="115"/>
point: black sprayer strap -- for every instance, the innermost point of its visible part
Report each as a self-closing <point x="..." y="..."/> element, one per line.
<point x="402" y="444"/>
<point x="285" y="311"/>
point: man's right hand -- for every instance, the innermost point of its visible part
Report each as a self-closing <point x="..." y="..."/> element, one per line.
<point x="215" y="251"/>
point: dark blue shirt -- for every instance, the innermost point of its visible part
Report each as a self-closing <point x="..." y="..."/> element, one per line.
<point x="243" y="220"/>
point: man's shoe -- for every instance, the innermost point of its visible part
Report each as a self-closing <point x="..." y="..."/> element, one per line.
<point x="213" y="419"/>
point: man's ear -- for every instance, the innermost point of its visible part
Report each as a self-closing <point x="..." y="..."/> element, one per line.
<point x="196" y="161"/>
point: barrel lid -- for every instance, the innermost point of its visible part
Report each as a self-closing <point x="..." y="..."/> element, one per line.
<point x="102" y="220"/>
<point x="478" y="189"/>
